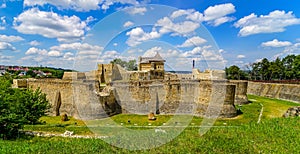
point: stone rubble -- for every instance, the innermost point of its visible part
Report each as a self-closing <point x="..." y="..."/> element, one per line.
<point x="292" y="112"/>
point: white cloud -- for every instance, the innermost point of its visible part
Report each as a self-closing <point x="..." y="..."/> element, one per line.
<point x="80" y="5"/>
<point x="276" y="44"/>
<point x="192" y="42"/>
<point x="54" y="53"/>
<point x="218" y="11"/>
<point x="4" y="58"/>
<point x="184" y="28"/>
<point x="137" y="36"/>
<point x="3" y="5"/>
<point x="115" y="44"/>
<point x="36" y="51"/>
<point x="182" y="23"/>
<point x="136" y="10"/>
<point x="79" y="47"/>
<point x="110" y="55"/>
<point x="68" y="56"/>
<point x="275" y="21"/>
<point x="50" y="25"/>
<point x="152" y="51"/>
<point x="214" y="15"/>
<point x="217" y="15"/>
<point x="2" y="23"/>
<point x="34" y="43"/>
<point x="6" y="46"/>
<point x="128" y="24"/>
<point x="10" y="38"/>
<point x="240" y="56"/>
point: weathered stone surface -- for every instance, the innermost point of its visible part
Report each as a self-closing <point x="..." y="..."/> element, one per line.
<point x="83" y="99"/>
<point x="289" y="92"/>
<point x="240" y="92"/>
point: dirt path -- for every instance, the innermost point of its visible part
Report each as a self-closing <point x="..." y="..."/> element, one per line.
<point x="261" y="112"/>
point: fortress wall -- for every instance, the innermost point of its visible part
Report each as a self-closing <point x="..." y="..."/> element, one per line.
<point x="53" y="88"/>
<point x="76" y="98"/>
<point x="240" y="91"/>
<point x="170" y="97"/>
<point x="289" y="92"/>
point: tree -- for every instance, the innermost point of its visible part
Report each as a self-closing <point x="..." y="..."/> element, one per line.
<point x="19" y="107"/>
<point x="296" y="67"/>
<point x="235" y="73"/>
<point x="276" y="69"/>
<point x="129" y="66"/>
<point x="288" y="61"/>
<point x="31" y="73"/>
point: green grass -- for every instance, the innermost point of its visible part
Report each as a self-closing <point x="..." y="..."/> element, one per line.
<point x="273" y="134"/>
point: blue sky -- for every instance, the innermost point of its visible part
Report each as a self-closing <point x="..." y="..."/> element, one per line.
<point x="79" y="34"/>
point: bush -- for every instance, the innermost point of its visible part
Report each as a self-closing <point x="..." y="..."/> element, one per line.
<point x="19" y="107"/>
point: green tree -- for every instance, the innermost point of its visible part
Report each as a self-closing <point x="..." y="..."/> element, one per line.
<point x="31" y="73"/>
<point x="276" y="69"/>
<point x="32" y="104"/>
<point x="235" y="73"/>
<point x="130" y="65"/>
<point x="19" y="107"/>
<point x="296" y="67"/>
<point x="289" y="72"/>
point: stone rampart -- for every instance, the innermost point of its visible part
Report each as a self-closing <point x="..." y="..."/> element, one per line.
<point x="76" y="98"/>
<point x="240" y="91"/>
<point x="196" y="97"/>
<point x="289" y="92"/>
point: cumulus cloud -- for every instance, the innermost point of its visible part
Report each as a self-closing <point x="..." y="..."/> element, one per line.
<point x="152" y="51"/>
<point x="34" y="43"/>
<point x="194" y="41"/>
<point x="217" y="15"/>
<point x="183" y="28"/>
<point x="6" y="46"/>
<point x="182" y="23"/>
<point x="54" y="53"/>
<point x="4" y="58"/>
<point x="34" y="51"/>
<point x="128" y="24"/>
<point x="275" y="21"/>
<point x="79" y="47"/>
<point x="11" y="38"/>
<point x="137" y="36"/>
<point x="136" y="10"/>
<point x="276" y="44"/>
<point x="50" y="25"/>
<point x="80" y="5"/>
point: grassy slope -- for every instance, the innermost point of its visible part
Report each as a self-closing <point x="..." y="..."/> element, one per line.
<point x="273" y="135"/>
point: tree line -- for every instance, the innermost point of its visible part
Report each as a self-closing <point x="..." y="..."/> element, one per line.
<point x="287" y="68"/>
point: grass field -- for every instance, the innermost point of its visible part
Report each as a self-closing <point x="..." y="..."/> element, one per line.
<point x="241" y="134"/>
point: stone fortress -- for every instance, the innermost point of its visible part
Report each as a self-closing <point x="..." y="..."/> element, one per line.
<point x="111" y="90"/>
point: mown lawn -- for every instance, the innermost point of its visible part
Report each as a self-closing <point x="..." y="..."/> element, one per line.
<point x="241" y="134"/>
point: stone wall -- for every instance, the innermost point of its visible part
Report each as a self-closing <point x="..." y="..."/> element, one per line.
<point x="240" y="91"/>
<point x="289" y="92"/>
<point x="176" y="97"/>
<point x="75" y="98"/>
<point x="83" y="99"/>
